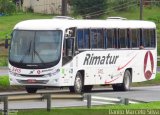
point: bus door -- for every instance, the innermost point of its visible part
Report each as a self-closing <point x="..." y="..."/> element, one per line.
<point x="68" y="51"/>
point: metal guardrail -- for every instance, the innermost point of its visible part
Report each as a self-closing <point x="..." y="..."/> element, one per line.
<point x="5" y="98"/>
<point x="108" y="100"/>
<point x="89" y="98"/>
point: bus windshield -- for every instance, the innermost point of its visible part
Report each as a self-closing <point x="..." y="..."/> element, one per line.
<point x="36" y="46"/>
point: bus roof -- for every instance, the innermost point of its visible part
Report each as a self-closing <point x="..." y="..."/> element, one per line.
<point x="60" y="24"/>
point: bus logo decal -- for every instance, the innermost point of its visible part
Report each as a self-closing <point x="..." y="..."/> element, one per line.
<point x="121" y="67"/>
<point x="91" y="59"/>
<point x="38" y="72"/>
<point x="148" y="65"/>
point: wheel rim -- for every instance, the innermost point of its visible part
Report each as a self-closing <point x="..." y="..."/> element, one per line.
<point x="127" y="80"/>
<point x="78" y="84"/>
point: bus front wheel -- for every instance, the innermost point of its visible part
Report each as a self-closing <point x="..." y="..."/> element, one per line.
<point x="31" y="89"/>
<point x="125" y="86"/>
<point x="78" y="84"/>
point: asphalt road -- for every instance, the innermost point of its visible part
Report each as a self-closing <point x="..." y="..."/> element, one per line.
<point x="145" y="94"/>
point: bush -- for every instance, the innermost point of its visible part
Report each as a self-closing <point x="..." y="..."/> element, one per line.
<point x="7" y="7"/>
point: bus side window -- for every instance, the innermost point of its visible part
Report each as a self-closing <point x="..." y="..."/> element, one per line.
<point x="122" y="38"/>
<point x="80" y="40"/>
<point x="141" y="39"/>
<point x="135" y="36"/>
<point x="147" y="37"/>
<point x="109" y="38"/>
<point x="105" y="38"/>
<point x="100" y="38"/>
<point x="115" y="39"/>
<point x="94" y="38"/>
<point x="153" y="38"/>
<point x="128" y="41"/>
<point x="86" y="40"/>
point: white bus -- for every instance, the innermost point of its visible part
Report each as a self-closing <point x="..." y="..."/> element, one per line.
<point x="82" y="53"/>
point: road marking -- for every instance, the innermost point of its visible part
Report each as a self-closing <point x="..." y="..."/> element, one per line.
<point x="105" y="98"/>
<point x="100" y="102"/>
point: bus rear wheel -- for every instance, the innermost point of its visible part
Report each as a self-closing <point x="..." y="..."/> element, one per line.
<point x="78" y="84"/>
<point x="125" y="86"/>
<point x="31" y="89"/>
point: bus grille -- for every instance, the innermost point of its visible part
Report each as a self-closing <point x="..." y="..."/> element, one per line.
<point x="23" y="75"/>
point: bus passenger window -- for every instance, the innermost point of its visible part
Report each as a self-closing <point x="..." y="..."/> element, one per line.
<point x="153" y="41"/>
<point x="80" y="38"/>
<point x="86" y="41"/>
<point x="135" y="34"/>
<point x="147" y="37"/>
<point x="94" y="38"/>
<point x="100" y="38"/>
<point x="122" y="38"/>
<point x="128" y="38"/>
<point x="105" y="38"/>
<point x="141" y="39"/>
<point x="115" y="39"/>
<point x="109" y="38"/>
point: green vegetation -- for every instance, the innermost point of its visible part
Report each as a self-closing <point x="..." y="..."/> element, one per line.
<point x="95" y="110"/>
<point x="85" y="7"/>
<point x="7" y="7"/>
<point x="158" y="63"/>
<point x="3" y="61"/>
<point x="8" y="22"/>
<point x="4" y="81"/>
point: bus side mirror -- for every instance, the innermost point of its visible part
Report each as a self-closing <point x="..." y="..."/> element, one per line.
<point x="7" y="44"/>
<point x="69" y="43"/>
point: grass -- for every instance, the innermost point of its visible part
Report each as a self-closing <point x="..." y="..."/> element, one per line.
<point x="8" y="22"/>
<point x="3" y="61"/>
<point x="155" y="81"/>
<point x="98" y="110"/>
<point x="4" y="81"/>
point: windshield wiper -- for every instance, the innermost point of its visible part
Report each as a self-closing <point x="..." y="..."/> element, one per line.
<point x="39" y="56"/>
<point x="27" y="52"/>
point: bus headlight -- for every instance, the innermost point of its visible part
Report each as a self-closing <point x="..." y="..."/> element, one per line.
<point x="14" y="74"/>
<point x="53" y="73"/>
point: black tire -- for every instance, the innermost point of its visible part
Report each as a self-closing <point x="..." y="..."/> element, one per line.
<point x="125" y="86"/>
<point x="78" y="84"/>
<point x="88" y="88"/>
<point x="116" y="87"/>
<point x="31" y="89"/>
<point x="71" y="89"/>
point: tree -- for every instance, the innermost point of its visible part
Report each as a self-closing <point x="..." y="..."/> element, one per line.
<point x="90" y="8"/>
<point x="7" y="7"/>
